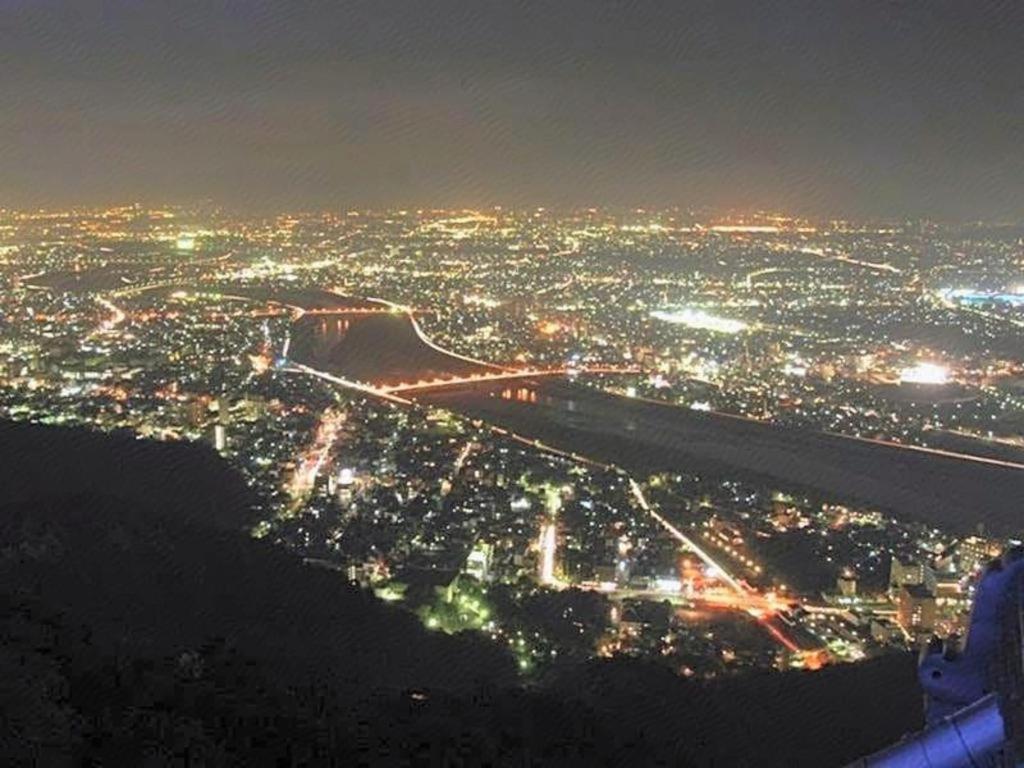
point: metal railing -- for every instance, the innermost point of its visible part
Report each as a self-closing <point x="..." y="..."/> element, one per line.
<point x="975" y="695"/>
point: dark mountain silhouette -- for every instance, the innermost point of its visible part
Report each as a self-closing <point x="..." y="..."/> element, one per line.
<point x="142" y="626"/>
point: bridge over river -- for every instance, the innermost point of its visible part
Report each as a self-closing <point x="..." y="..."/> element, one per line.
<point x="389" y="353"/>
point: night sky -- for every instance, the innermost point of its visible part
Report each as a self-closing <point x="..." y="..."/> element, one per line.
<point x="819" y="108"/>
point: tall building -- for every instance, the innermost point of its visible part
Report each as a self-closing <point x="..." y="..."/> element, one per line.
<point x="194" y="413"/>
<point x="916" y="609"/>
<point x="220" y="438"/>
<point x="909" y="573"/>
<point x="223" y="410"/>
<point x="478" y="563"/>
<point x="846" y="583"/>
<point x="975" y="552"/>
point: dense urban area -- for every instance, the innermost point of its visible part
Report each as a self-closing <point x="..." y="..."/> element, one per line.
<point x="383" y="381"/>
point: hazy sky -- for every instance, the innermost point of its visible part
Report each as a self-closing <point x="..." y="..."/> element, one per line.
<point x="853" y="108"/>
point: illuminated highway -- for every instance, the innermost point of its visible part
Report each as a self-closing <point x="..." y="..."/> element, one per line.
<point x="313" y="460"/>
<point x="874" y="266"/>
<point x="717" y="569"/>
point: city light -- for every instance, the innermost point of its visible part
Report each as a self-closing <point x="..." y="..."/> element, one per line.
<point x="924" y="373"/>
<point x="521" y="383"/>
<point x="699" y="319"/>
<point x="450" y="448"/>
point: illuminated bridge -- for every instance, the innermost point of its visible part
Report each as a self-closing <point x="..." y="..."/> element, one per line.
<point x="503" y="375"/>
